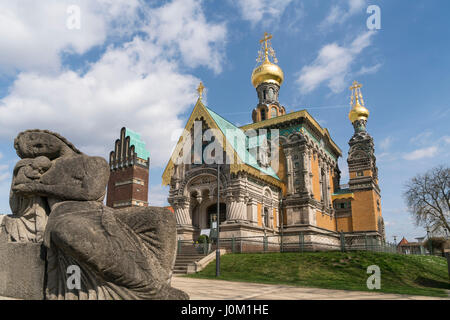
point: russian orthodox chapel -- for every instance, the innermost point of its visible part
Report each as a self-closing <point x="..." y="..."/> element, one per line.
<point x="277" y="175"/>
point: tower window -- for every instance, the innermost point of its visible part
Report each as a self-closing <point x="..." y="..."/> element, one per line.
<point x="360" y="173"/>
<point x="263" y="114"/>
<point x="274" y="113"/>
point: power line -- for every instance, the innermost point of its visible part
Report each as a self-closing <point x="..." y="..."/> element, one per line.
<point x="307" y="108"/>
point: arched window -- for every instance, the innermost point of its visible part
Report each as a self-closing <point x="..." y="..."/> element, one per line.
<point x="263" y="114"/>
<point x="324" y="192"/>
<point x="266" y="217"/>
<point x="274" y="113"/>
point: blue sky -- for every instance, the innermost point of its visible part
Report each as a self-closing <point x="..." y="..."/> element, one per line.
<point x="137" y="64"/>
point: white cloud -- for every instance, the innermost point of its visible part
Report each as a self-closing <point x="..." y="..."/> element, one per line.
<point x="333" y="65"/>
<point x="158" y="195"/>
<point x="422" y="138"/>
<point x="138" y="84"/>
<point x="265" y="11"/>
<point x="386" y="143"/>
<point x="1" y="155"/>
<point x="34" y="33"/>
<point x="339" y="15"/>
<point x="182" y="26"/>
<point x="369" y="70"/>
<point x="421" y="153"/>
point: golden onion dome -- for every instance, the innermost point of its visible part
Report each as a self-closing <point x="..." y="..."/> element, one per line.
<point x="358" y="111"/>
<point x="267" y="72"/>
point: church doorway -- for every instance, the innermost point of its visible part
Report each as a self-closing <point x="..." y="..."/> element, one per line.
<point x="212" y="210"/>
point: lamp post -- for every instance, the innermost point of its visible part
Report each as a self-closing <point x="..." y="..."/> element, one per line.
<point x="264" y="221"/>
<point x="429" y="240"/>
<point x="281" y="215"/>
<point x="218" y="223"/>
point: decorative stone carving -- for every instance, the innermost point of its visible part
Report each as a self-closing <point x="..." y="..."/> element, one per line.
<point x="122" y="254"/>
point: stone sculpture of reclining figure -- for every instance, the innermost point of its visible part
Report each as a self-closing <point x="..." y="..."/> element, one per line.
<point x="122" y="254"/>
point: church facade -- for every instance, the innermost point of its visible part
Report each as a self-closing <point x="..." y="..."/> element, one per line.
<point x="279" y="174"/>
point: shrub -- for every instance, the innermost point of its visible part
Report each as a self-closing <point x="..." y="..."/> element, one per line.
<point x="202" y="238"/>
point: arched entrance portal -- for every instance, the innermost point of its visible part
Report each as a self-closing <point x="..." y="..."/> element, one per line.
<point x="212" y="210"/>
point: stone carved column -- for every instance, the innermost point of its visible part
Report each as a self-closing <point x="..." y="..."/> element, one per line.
<point x="182" y="214"/>
<point x="328" y="188"/>
<point x="275" y="217"/>
<point x="321" y="181"/>
<point x="310" y="174"/>
<point x="252" y="209"/>
<point x="236" y="209"/>
<point x="289" y="171"/>
<point x="305" y="172"/>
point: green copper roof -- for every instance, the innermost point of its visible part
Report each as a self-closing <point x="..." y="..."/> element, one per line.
<point x="139" y="145"/>
<point x="240" y="142"/>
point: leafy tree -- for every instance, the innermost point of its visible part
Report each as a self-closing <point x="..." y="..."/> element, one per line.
<point x="428" y="198"/>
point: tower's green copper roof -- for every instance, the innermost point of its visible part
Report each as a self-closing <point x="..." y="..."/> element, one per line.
<point x="139" y="145"/>
<point x="240" y="143"/>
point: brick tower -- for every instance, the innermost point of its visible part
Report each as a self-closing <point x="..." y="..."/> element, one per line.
<point x="129" y="165"/>
<point x="363" y="171"/>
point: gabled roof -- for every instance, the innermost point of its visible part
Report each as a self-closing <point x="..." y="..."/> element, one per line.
<point x="403" y="242"/>
<point x="239" y="141"/>
<point x="235" y="141"/>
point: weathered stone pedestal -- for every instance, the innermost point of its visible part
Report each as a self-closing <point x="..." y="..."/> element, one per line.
<point x="22" y="269"/>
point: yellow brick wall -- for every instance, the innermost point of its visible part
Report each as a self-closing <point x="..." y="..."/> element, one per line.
<point x="377" y="213"/>
<point x="331" y="181"/>
<point x="366" y="173"/>
<point x="364" y="211"/>
<point x="325" y="221"/>
<point x="344" y="224"/>
<point x="259" y="206"/>
<point x="281" y="173"/>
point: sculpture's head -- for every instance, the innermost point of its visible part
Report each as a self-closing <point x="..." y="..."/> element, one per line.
<point x="35" y="143"/>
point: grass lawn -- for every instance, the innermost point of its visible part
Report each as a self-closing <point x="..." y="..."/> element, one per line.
<point x="403" y="274"/>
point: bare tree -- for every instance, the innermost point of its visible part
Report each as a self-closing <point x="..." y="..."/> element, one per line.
<point x="427" y="197"/>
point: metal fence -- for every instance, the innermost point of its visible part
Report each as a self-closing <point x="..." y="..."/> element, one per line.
<point x="300" y="242"/>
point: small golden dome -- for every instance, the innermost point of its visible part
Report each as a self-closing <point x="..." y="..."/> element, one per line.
<point x="267" y="72"/>
<point x="358" y="112"/>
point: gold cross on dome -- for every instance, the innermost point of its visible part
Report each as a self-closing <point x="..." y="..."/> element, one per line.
<point x="355" y="85"/>
<point x="200" y="89"/>
<point x="356" y="97"/>
<point x="266" y="39"/>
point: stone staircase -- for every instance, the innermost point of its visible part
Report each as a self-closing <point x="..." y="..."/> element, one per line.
<point x="186" y="256"/>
